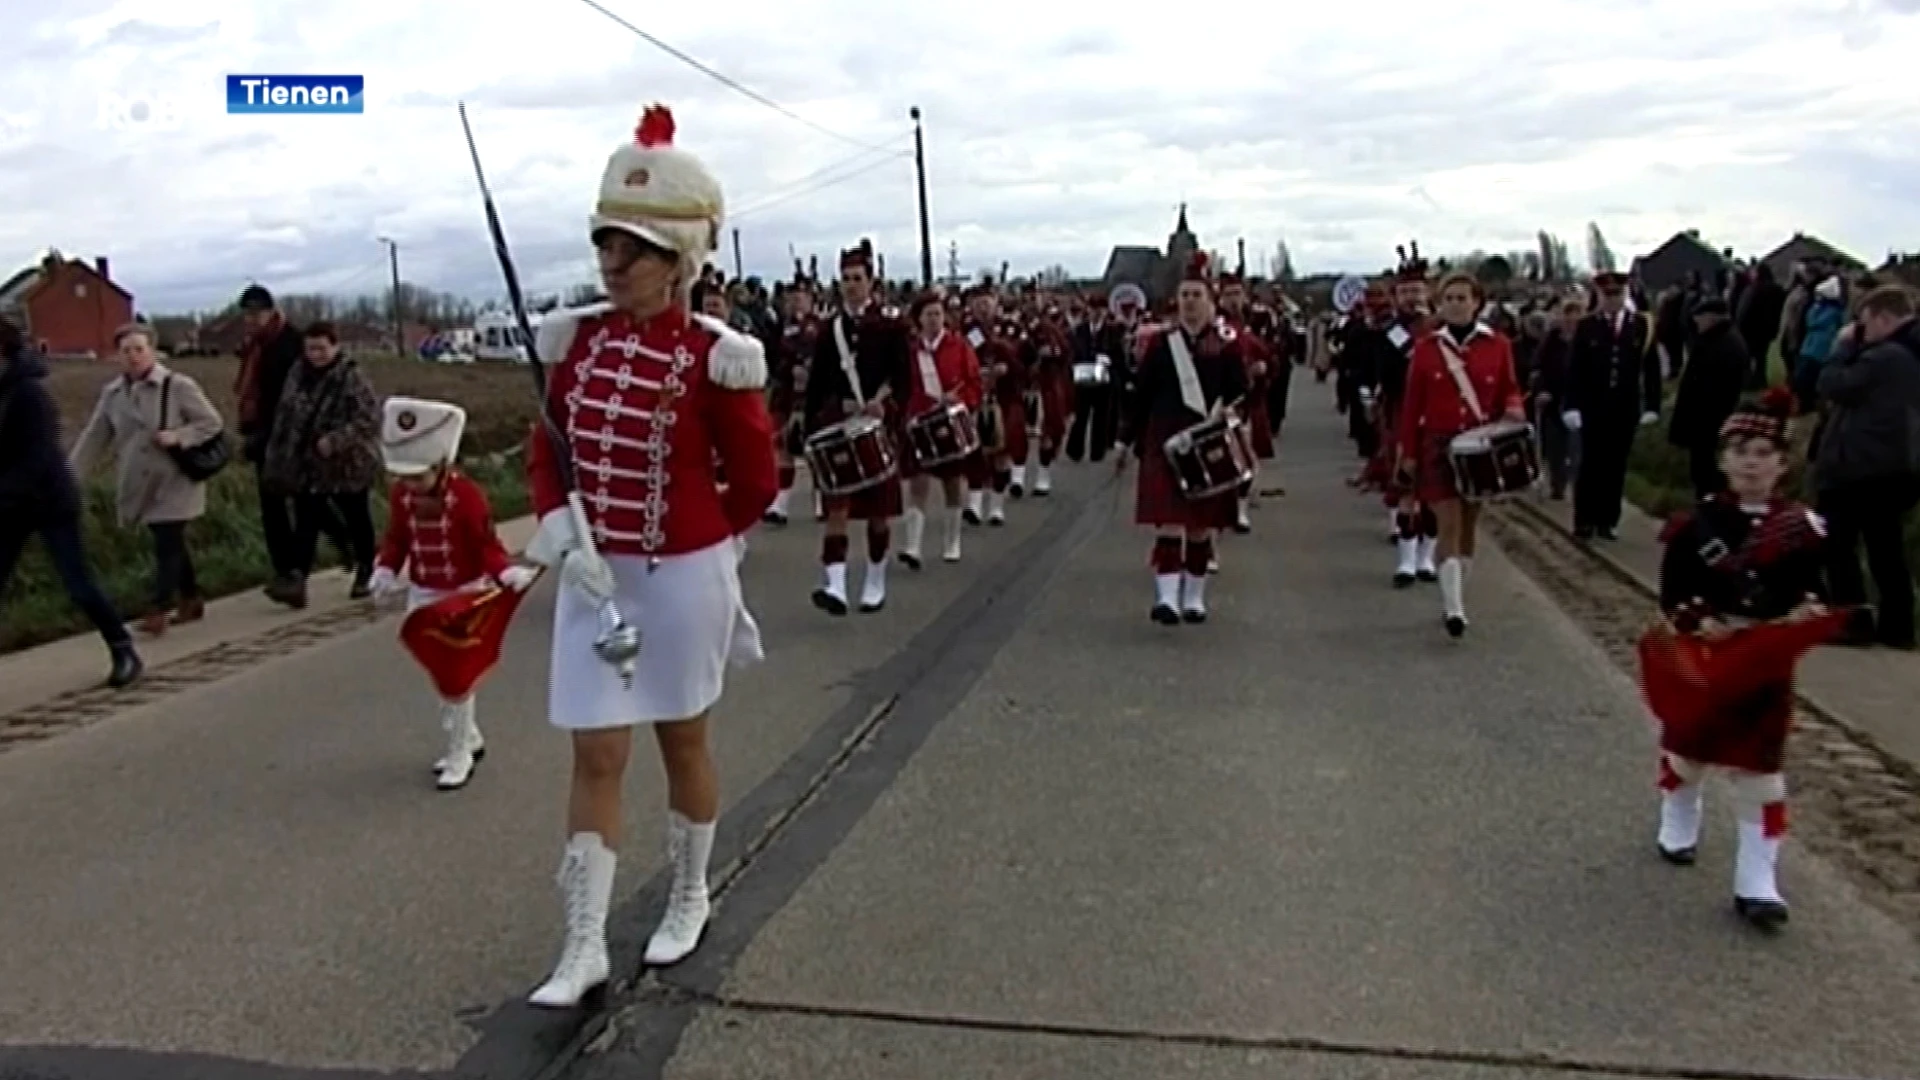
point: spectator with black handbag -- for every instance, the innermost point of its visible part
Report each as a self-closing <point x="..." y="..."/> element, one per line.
<point x="166" y="440"/>
<point x="38" y="495"/>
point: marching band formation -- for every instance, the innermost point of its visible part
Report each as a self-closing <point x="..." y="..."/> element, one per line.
<point x="668" y="434"/>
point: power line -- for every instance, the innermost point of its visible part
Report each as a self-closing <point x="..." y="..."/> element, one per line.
<point x="780" y="190"/>
<point x="827" y="182"/>
<point x="725" y="81"/>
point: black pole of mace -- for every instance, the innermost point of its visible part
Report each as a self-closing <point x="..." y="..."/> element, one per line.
<point x="926" y="230"/>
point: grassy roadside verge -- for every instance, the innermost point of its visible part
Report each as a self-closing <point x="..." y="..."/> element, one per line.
<point x="1658" y="480"/>
<point x="229" y="553"/>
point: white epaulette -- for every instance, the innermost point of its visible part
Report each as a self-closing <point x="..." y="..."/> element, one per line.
<point x="557" y="327"/>
<point x="736" y="361"/>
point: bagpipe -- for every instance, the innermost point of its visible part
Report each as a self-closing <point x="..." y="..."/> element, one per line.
<point x="1690" y="682"/>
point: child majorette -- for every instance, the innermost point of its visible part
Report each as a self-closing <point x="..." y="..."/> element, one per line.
<point x="1741" y="576"/>
<point x="440" y="534"/>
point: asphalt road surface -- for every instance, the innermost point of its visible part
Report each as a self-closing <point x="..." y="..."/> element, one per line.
<point x="1007" y="828"/>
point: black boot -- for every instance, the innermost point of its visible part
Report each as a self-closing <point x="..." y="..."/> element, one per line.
<point x="127" y="667"/>
<point x="362" y="583"/>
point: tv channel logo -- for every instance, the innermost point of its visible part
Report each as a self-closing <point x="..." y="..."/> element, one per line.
<point x="296" y="94"/>
<point x="140" y="112"/>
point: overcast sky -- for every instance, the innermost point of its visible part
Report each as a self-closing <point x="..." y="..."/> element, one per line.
<point x="1053" y="132"/>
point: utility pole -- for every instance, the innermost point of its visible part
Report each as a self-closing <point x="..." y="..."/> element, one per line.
<point x="738" y="273"/>
<point x="1243" y="255"/>
<point x="953" y="262"/>
<point x="399" y="331"/>
<point x="926" y="229"/>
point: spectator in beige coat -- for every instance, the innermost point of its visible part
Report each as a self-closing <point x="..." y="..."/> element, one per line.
<point x="149" y="488"/>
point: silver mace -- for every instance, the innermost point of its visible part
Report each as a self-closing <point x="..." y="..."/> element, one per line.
<point x="618" y="643"/>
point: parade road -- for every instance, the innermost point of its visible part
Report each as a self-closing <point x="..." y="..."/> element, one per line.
<point x="1006" y="828"/>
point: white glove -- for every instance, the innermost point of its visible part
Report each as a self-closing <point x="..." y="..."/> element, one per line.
<point x="519" y="578"/>
<point x="553" y="539"/>
<point x="1571" y="418"/>
<point x="1648" y="419"/>
<point x="385" y="583"/>
<point x="557" y="543"/>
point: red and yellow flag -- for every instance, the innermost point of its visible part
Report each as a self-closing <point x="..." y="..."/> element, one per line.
<point x="458" y="638"/>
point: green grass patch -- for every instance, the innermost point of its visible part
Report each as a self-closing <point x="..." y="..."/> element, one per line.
<point x="229" y="552"/>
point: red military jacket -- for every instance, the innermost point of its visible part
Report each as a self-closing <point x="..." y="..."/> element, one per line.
<point x="950" y="365"/>
<point x="650" y="411"/>
<point x="1432" y="407"/>
<point x="445" y="539"/>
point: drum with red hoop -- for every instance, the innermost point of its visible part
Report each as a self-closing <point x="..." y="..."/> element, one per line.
<point x="1211" y="457"/>
<point x="850" y="456"/>
<point x="943" y="434"/>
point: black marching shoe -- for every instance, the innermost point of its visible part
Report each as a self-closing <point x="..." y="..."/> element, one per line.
<point x="970" y="516"/>
<point x="911" y="562"/>
<point x="362" y="583"/>
<point x="1165" y="615"/>
<point x="1769" y="916"/>
<point x="774" y="517"/>
<point x="1428" y="576"/>
<point x="1193" y="617"/>
<point x="1609" y="535"/>
<point x="1402" y="579"/>
<point x="1582" y="533"/>
<point x="1456" y="626"/>
<point x="127" y="667"/>
<point x="829" y="603"/>
<point x="1685" y="856"/>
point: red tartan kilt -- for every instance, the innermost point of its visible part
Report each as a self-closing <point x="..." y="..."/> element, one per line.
<point x="1013" y="418"/>
<point x="1157" y="500"/>
<point x="1433" y="481"/>
<point x="1260" y="426"/>
<point x="1056" y="396"/>
<point x="880" y="502"/>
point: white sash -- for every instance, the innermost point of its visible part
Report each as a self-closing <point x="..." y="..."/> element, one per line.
<point x="1457" y="367"/>
<point x="1190" y="393"/>
<point x="846" y="357"/>
<point x="929" y="371"/>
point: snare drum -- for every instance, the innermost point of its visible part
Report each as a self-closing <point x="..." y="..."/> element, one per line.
<point x="1092" y="375"/>
<point x="1210" y="458"/>
<point x="850" y="456"/>
<point x="942" y="434"/>
<point x="1494" y="461"/>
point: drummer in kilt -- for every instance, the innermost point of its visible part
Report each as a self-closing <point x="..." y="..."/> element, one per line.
<point x="1743" y="558"/>
<point x="1463" y="357"/>
<point x="859" y="366"/>
<point x="1193" y="370"/>
<point x="945" y="371"/>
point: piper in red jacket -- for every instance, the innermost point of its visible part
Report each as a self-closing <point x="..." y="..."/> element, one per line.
<point x="440" y="540"/>
<point x="945" y="371"/>
<point x="1433" y="411"/>
<point x="646" y="402"/>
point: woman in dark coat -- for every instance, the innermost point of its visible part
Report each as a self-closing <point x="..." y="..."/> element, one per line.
<point x="325" y="452"/>
<point x="38" y="495"/>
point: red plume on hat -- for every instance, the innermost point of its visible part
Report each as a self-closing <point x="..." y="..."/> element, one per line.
<point x="656" y="127"/>
<point x="1197" y="268"/>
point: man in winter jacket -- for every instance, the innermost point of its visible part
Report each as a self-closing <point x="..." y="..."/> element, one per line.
<point x="1866" y="469"/>
<point x="38" y="495"/>
<point x="1717" y="365"/>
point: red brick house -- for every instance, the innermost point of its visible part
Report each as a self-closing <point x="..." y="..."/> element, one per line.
<point x="66" y="306"/>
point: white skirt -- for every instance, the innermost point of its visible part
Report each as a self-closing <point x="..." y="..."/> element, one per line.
<point x="693" y="622"/>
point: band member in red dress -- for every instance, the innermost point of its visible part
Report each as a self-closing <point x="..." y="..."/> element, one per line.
<point x="1744" y="564"/>
<point x="440" y="540"/>
<point x="650" y="402"/>
<point x="945" y="371"/>
<point x="1261" y="360"/>
<point x="1415" y="529"/>
<point x="1192" y="371"/>
<point x="1461" y="377"/>
<point x="998" y="343"/>
<point x="787" y="384"/>
<point x="859" y="367"/>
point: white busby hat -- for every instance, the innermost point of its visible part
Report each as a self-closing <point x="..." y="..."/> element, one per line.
<point x="660" y="193"/>
<point x="416" y="435"/>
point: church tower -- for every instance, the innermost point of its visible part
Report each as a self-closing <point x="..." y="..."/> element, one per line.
<point x="1181" y="244"/>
